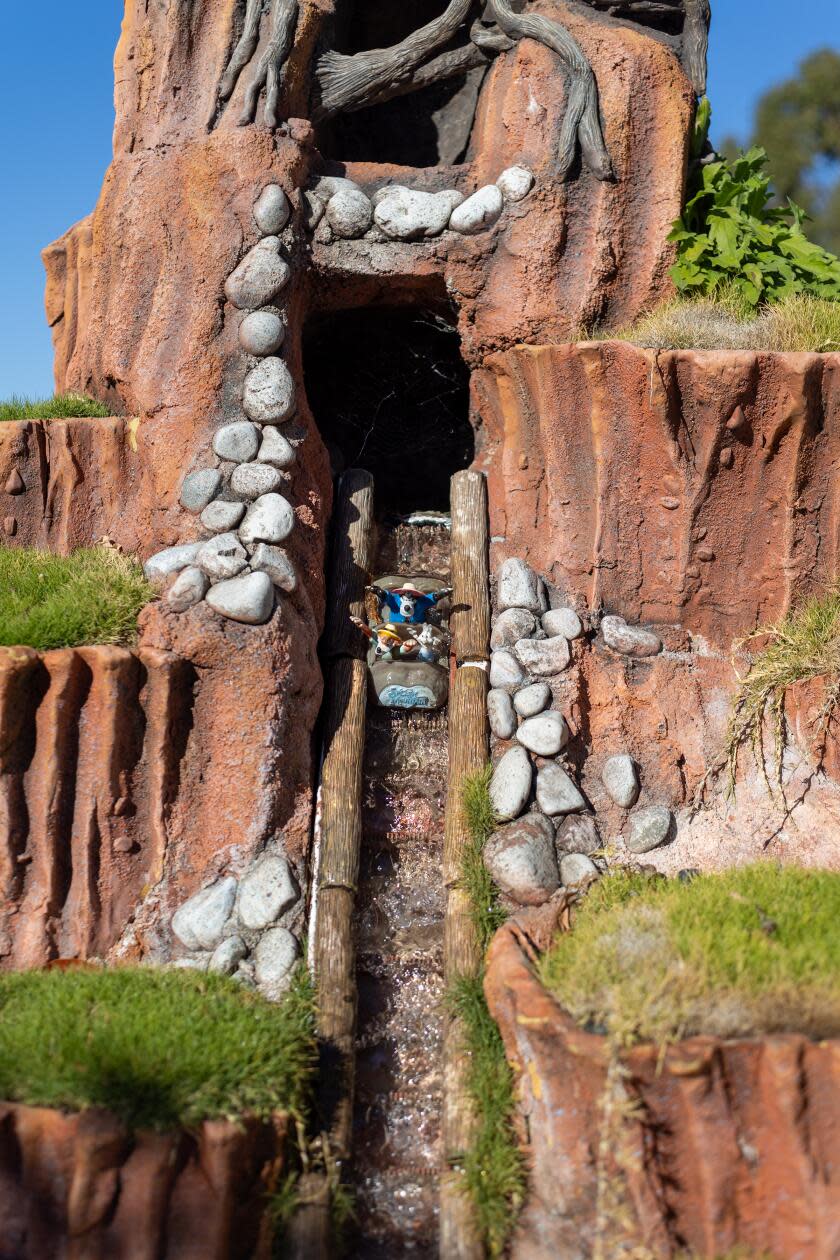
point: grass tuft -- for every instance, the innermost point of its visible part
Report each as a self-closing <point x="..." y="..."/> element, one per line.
<point x="49" y="601"/>
<point x="744" y="953"/>
<point x="480" y="817"/>
<point x="60" y="407"/>
<point x="161" y="1049"/>
<point x="724" y="322"/>
<point x="803" y="645"/>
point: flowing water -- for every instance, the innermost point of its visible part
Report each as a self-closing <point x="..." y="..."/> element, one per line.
<point x="397" y="1159"/>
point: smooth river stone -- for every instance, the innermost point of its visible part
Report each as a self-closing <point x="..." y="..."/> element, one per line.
<point x="546" y="734"/>
<point x="199" y="488"/>
<point x="252" y="480"/>
<point x="649" y="828"/>
<point x="620" y="778"/>
<point x="275" y="958"/>
<point x="406" y="214"/>
<point x="575" y="868"/>
<point x="261" y="332"/>
<point x="269" y="392"/>
<point x="189" y="587"/>
<point x="510" y="626"/>
<point x="478" y="212"/>
<point x="238" y="442"/>
<point x="629" y="640"/>
<point x="500" y="714"/>
<point x="518" y="586"/>
<point x="220" y="516"/>
<point x="199" y="923"/>
<point x="532" y="700"/>
<point x="275" y="448"/>
<point x="269" y="519"/>
<point x="515" y="183"/>
<point x="578" y="833"/>
<point x="349" y="213"/>
<point x="505" y="670"/>
<point x="563" y="621"/>
<point x="510" y="785"/>
<point x="228" y="955"/>
<point x="260" y="277"/>
<point x="171" y="560"/>
<point x="521" y="859"/>
<point x="265" y="892"/>
<point x="278" y="566"/>
<point x="544" y="657"/>
<point x="272" y="210"/>
<point x="222" y="557"/>
<point x="557" y="792"/>
<point x="249" y="599"/>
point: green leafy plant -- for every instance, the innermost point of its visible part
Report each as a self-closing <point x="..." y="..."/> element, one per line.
<point x="49" y="601"/>
<point x="60" y="407"/>
<point x="730" y="233"/>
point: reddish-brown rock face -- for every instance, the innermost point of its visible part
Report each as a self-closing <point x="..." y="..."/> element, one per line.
<point x="735" y="1143"/>
<point x="80" y="1186"/>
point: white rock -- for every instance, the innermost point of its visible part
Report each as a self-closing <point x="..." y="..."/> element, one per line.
<point x="275" y="957"/>
<point x="199" y="488"/>
<point x="557" y="792"/>
<point x="269" y="392"/>
<point x="265" y="892"/>
<point x="261" y="332"/>
<point x="189" y="587"/>
<point x="270" y="519"/>
<point x="515" y="183"/>
<point x="200" y="921"/>
<point x="543" y="657"/>
<point x="222" y="557"/>
<point x="649" y="828"/>
<point x="228" y="955"/>
<point x="272" y="210"/>
<point x="253" y="480"/>
<point x="546" y="734"/>
<point x="278" y="566"/>
<point x="505" y="670"/>
<point x="519" y="587"/>
<point x="532" y="700"/>
<point x="500" y="714"/>
<point x="259" y="278"/>
<point x="405" y="214"/>
<point x="629" y="640"/>
<point x="171" y="560"/>
<point x="349" y="213"/>
<point x="621" y="780"/>
<point x="238" y="442"/>
<point x="190" y="964"/>
<point x="564" y="621"/>
<point x="575" y="868"/>
<point x="328" y="185"/>
<point x="511" y="783"/>
<point x="478" y="212"/>
<point x="521" y="859"/>
<point x="221" y="516"/>
<point x="510" y="626"/>
<point x="275" y="448"/>
<point x="249" y="599"/>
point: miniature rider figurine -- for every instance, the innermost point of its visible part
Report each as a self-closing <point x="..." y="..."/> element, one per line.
<point x="407" y="604"/>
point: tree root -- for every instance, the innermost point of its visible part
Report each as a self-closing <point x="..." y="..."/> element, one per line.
<point x="268" y="71"/>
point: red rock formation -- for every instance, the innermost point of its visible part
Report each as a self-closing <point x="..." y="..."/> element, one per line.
<point x="675" y="486"/>
<point x="80" y="1186"/>
<point x="735" y="1142"/>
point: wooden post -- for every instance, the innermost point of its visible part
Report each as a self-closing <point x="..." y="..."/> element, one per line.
<point x="468" y="752"/>
<point x="332" y="947"/>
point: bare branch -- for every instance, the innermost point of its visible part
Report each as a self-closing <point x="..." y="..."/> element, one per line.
<point x="698" y="15"/>
<point x="244" y="50"/>
<point x="267" y="74"/>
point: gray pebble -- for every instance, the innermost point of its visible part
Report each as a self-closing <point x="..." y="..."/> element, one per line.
<point x="278" y="566"/>
<point x="349" y="213"/>
<point x="199" y="488"/>
<point x="275" y="448"/>
<point x="259" y="278"/>
<point x="519" y="587"/>
<point x="521" y="860"/>
<point x="265" y="892"/>
<point x="546" y="734"/>
<point x="510" y="626"/>
<point x="500" y="714"/>
<point x="249" y="599"/>
<point x="557" y="792"/>
<point x="620" y="778"/>
<point x="544" y="657"/>
<point x="200" y="921"/>
<point x="261" y="332"/>
<point x="505" y="670"/>
<point x="189" y="587"/>
<point x="252" y="480"/>
<point x="269" y="392"/>
<point x="328" y="185"/>
<point x="564" y="621"/>
<point x="629" y="640"/>
<point x="228" y="955"/>
<point x="171" y="560"/>
<point x="275" y="958"/>
<point x="532" y="700"/>
<point x="221" y="516"/>
<point x="406" y="214"/>
<point x="272" y="210"/>
<point x="270" y="519"/>
<point x="238" y="442"/>
<point x="313" y="210"/>
<point x="510" y="786"/>
<point x="222" y="557"/>
<point x="575" y="868"/>
<point x="478" y="212"/>
<point x="515" y="183"/>
<point x="578" y="833"/>
<point x="649" y="828"/>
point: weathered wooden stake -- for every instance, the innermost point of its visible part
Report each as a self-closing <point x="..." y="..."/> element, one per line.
<point x="468" y="752"/>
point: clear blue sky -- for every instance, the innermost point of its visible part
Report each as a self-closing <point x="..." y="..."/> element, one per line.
<point x="56" y="115"/>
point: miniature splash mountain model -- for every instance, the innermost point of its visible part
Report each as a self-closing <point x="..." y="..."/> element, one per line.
<point x="409" y="644"/>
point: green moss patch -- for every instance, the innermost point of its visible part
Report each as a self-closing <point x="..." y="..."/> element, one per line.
<point x="748" y="952"/>
<point x="162" y="1049"/>
<point x="49" y="601"/>
<point x="60" y="407"/>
